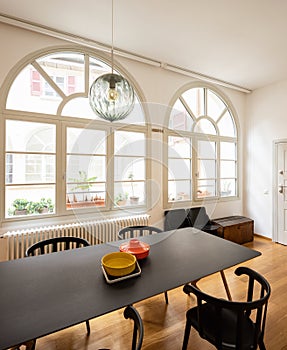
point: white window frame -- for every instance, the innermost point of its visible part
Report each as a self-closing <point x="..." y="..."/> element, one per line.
<point x="195" y="137"/>
<point x="61" y="124"/>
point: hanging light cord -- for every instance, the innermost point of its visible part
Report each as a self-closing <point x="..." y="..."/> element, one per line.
<point x="112" y="51"/>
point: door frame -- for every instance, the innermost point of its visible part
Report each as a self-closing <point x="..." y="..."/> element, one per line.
<point x="275" y="189"/>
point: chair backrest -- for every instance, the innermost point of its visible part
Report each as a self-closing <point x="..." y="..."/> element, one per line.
<point x="175" y="218"/>
<point x="56" y="244"/>
<point x="198" y="217"/>
<point x="258" y="293"/>
<point x="138" y="332"/>
<point x="137" y="231"/>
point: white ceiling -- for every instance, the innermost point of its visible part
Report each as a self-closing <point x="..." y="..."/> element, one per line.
<point x="243" y="42"/>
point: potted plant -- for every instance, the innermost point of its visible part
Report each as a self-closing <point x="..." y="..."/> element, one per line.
<point x="133" y="199"/>
<point x="121" y="199"/>
<point x="84" y="183"/>
<point x="20" y="206"/>
<point x="41" y="207"/>
<point x="226" y="190"/>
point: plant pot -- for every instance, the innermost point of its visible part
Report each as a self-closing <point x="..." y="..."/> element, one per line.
<point x="43" y="211"/>
<point x="134" y="200"/>
<point x="83" y="204"/>
<point x="121" y="203"/>
<point x="20" y="212"/>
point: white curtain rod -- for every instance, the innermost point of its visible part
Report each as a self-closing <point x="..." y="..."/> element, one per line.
<point x="14" y="21"/>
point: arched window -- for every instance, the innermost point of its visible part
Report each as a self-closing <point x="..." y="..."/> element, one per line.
<point x="202" y="147"/>
<point x="58" y="151"/>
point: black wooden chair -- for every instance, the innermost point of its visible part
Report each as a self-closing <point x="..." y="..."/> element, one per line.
<point x="138" y="331"/>
<point x="56" y="244"/>
<point x="229" y="324"/>
<point x="139" y="231"/>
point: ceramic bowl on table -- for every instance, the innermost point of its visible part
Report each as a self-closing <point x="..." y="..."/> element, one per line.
<point x="119" y="263"/>
<point x="138" y="248"/>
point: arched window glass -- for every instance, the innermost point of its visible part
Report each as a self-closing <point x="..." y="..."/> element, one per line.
<point x="226" y="125"/>
<point x="66" y="69"/>
<point x="207" y="168"/>
<point x="58" y="133"/>
<point x="194" y="99"/>
<point x="56" y="84"/>
<point x="204" y="126"/>
<point x="215" y="105"/>
<point x="180" y="119"/>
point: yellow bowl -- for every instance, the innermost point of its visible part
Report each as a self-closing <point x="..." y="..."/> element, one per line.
<point x="119" y="263"/>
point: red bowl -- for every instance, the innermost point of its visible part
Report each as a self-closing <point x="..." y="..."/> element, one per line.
<point x="136" y="247"/>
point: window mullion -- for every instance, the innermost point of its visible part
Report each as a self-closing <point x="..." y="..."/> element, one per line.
<point x="110" y="166"/>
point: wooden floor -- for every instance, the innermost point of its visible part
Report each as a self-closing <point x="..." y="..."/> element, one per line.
<point x="164" y="324"/>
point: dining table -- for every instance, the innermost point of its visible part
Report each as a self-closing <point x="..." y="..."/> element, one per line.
<point x="43" y="294"/>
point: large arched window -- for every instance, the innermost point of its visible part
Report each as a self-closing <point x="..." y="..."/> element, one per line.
<point x="59" y="156"/>
<point x="202" y="148"/>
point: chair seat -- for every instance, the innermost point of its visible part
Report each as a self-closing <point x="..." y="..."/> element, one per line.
<point x="211" y="228"/>
<point x="227" y="323"/>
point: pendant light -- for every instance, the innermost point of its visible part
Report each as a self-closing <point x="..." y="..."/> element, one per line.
<point x="111" y="96"/>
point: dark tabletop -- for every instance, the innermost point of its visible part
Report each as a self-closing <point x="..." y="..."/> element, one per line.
<point x="43" y="294"/>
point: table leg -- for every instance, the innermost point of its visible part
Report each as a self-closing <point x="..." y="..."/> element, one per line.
<point x="225" y="285"/>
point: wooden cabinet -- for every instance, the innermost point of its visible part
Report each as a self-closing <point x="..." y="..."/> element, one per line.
<point x="238" y="229"/>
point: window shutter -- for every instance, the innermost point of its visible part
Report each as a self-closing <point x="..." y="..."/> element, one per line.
<point x="35" y="83"/>
<point x="71" y="84"/>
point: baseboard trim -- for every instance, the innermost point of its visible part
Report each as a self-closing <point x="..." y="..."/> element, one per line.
<point x="263" y="237"/>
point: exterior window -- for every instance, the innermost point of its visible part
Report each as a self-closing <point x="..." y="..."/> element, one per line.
<point x="86" y="168"/>
<point x="202" y="147"/>
<point x="30" y="168"/>
<point x="129" y="165"/>
<point x="180" y="167"/>
<point x="59" y="155"/>
<point x="49" y="91"/>
<point x="206" y="169"/>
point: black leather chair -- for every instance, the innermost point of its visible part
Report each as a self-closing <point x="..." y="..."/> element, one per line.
<point x="175" y="218"/>
<point x="56" y="244"/>
<point x="198" y="218"/>
<point x="230" y="324"/>
<point x="139" y="231"/>
<point x="194" y="217"/>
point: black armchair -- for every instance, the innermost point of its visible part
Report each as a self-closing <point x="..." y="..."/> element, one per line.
<point x="198" y="218"/>
<point x="175" y="218"/>
<point x="229" y="324"/>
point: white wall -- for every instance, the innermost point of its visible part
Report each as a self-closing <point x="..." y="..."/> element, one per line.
<point x="266" y="121"/>
<point x="156" y="86"/>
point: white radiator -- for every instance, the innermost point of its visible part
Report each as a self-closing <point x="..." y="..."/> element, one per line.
<point x="14" y="244"/>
